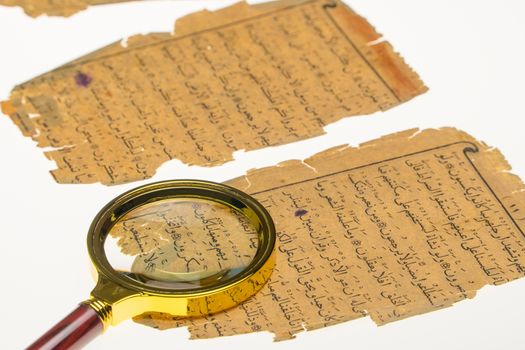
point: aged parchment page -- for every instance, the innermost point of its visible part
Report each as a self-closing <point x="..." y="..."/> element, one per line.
<point x="182" y="243"/>
<point x="403" y="225"/>
<point x="239" y="79"/>
<point x="65" y="8"/>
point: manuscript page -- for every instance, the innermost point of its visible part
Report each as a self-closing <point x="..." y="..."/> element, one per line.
<point x="240" y="79"/>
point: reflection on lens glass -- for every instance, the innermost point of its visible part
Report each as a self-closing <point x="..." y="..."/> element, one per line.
<point x="181" y="243"/>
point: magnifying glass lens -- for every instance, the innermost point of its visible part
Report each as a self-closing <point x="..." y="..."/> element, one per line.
<point x="188" y="248"/>
<point x="181" y="243"/>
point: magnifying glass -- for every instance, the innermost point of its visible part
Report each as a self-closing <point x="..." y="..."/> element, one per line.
<point x="184" y="247"/>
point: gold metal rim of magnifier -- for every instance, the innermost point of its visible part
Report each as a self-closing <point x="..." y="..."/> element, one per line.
<point x="117" y="297"/>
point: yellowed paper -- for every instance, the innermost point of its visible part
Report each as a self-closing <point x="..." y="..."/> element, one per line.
<point x="240" y="79"/>
<point x="406" y="224"/>
<point x="177" y="243"/>
<point x="64" y="8"/>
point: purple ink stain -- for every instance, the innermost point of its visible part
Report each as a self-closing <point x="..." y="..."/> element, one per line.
<point x="82" y="79"/>
<point x="300" y="212"/>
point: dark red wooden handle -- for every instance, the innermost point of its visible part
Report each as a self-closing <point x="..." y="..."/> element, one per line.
<point x="73" y="332"/>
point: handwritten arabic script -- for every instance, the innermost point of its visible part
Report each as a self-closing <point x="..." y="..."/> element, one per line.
<point x="276" y="75"/>
<point x="406" y="225"/>
<point x="179" y="241"/>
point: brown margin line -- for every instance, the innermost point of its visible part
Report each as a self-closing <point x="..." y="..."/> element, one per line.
<point x="176" y="38"/>
<point x="473" y="148"/>
<point x="325" y="7"/>
<point x="334" y="5"/>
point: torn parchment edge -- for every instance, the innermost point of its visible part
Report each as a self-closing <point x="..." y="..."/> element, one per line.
<point x="490" y="163"/>
<point x="402" y="79"/>
<point x="58" y="10"/>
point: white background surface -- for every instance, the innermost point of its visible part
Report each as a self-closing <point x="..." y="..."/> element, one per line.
<point x="469" y="53"/>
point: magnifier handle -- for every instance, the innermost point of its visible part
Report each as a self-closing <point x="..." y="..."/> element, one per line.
<point x="73" y="332"/>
